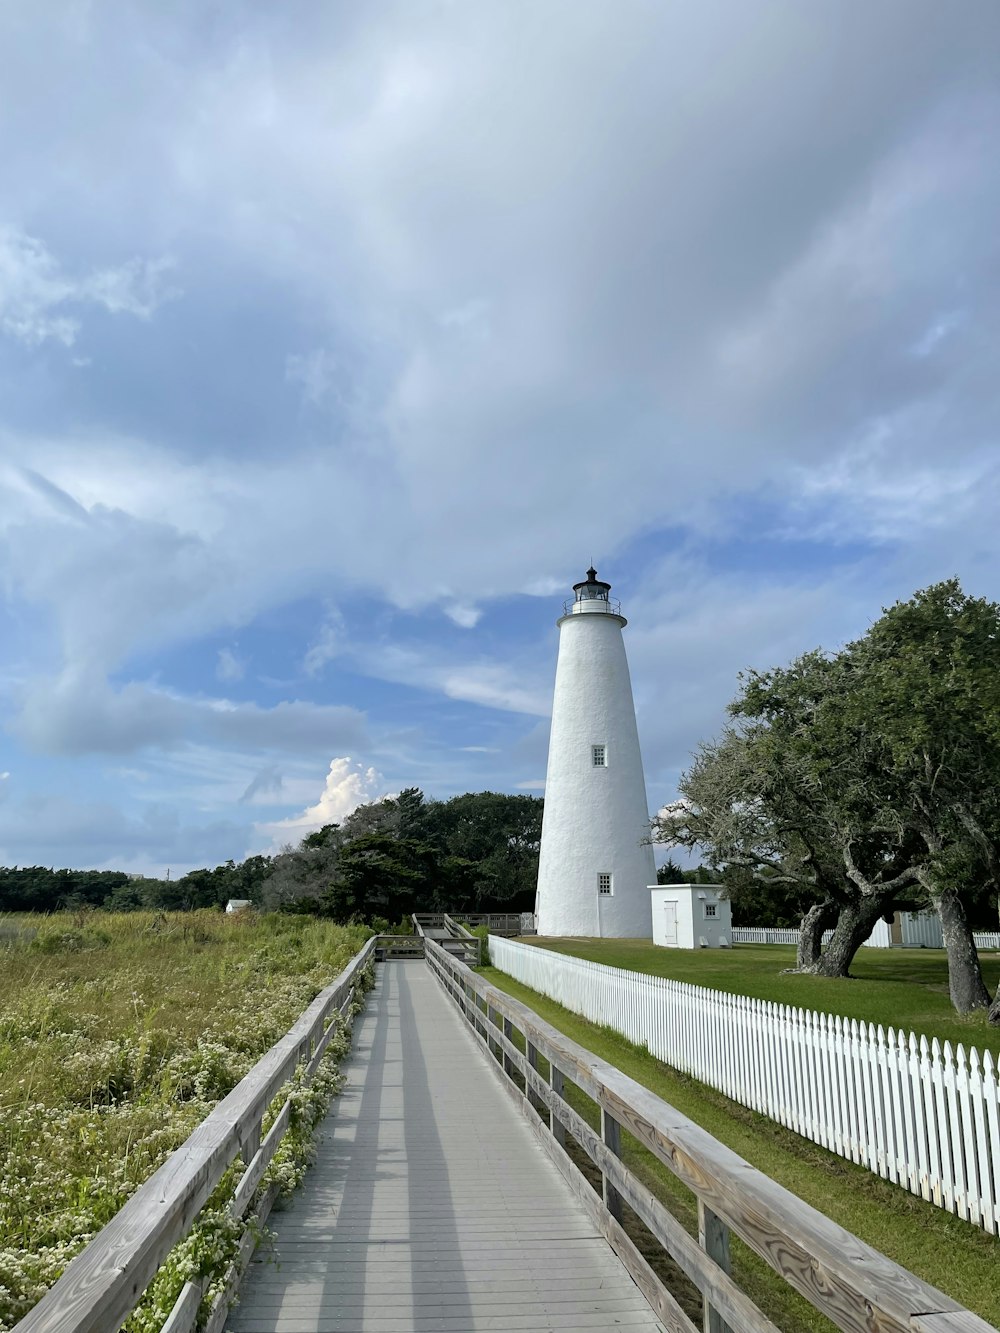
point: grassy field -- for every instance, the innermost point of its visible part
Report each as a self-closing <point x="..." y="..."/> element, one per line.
<point x="118" y="1034"/>
<point x="902" y="988"/>
<point x="952" y="1255"/>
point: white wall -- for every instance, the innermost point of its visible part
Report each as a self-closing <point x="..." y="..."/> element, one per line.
<point x="915" y="928"/>
<point x="703" y="920"/>
<point x="595" y="819"/>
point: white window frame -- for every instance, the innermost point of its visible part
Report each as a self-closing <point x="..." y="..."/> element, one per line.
<point x="712" y="911"/>
<point x="601" y="750"/>
<point x="605" y="876"/>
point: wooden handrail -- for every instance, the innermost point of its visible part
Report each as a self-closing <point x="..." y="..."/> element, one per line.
<point x="105" y="1282"/>
<point x="851" y="1283"/>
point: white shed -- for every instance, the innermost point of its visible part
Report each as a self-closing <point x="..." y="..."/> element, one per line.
<point x="691" y="916"/>
<point x="908" y="930"/>
<point x="238" y="905"/>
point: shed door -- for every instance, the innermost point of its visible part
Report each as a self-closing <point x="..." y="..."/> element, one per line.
<point x="670" y="923"/>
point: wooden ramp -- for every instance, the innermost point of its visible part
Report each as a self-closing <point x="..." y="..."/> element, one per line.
<point x="431" y="1206"/>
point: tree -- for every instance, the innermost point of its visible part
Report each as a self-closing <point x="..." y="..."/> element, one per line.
<point x="867" y="779"/>
<point x="929" y="671"/>
<point x="747" y="803"/>
<point x="489" y="844"/>
<point x="379" y="875"/>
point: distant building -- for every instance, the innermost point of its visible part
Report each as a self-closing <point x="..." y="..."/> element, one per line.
<point x="238" y="905"/>
<point x="596" y="858"/>
<point x="908" y="930"/>
<point x="691" y="916"/>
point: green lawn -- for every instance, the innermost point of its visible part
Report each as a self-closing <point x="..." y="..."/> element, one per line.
<point x="952" y="1255"/>
<point x="902" y="988"/>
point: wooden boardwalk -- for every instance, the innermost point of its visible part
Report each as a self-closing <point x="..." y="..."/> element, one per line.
<point x="431" y="1208"/>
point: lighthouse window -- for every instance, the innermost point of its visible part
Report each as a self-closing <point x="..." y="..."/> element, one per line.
<point x="600" y="755"/>
<point x="603" y="882"/>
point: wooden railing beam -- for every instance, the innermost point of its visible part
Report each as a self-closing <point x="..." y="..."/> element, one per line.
<point x="852" y="1284"/>
<point x="103" y="1284"/>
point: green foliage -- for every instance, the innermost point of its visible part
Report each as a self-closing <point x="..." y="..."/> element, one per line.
<point x="865" y="780"/>
<point x="38" y="889"/>
<point x="476" y="852"/>
<point x="482" y="933"/>
<point x="115" y="1041"/>
<point x="387" y="859"/>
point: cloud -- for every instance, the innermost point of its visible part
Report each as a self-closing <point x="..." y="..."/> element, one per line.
<point x="63" y="829"/>
<point x="467" y="617"/>
<point x="320" y="375"/>
<point x="267" y="783"/>
<point x="79" y="713"/>
<point x="39" y="301"/>
<point x="508" y="686"/>
<point x="679" y="294"/>
<point x="228" y="666"/>
<point x="348" y="784"/>
<point x="327" y="644"/>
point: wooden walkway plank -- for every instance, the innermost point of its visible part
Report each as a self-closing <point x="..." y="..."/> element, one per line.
<point x="431" y="1207"/>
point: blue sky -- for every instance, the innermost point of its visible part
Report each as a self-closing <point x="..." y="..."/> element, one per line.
<point x="336" y="341"/>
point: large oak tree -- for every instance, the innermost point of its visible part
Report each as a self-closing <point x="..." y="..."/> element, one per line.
<point x="865" y="777"/>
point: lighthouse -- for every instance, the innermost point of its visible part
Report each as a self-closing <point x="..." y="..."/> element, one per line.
<point x="596" y="861"/>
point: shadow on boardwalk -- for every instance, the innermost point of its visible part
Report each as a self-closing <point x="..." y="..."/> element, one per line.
<point x="431" y="1207"/>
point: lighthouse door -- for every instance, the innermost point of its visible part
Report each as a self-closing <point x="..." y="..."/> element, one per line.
<point x="670" y="924"/>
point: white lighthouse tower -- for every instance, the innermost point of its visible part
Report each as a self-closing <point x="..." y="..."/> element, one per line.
<point x="596" y="861"/>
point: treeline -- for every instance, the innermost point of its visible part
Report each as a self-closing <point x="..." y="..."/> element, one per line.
<point x="39" y="889"/>
<point x="477" y="852"/>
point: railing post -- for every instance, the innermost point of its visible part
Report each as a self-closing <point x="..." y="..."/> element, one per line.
<point x="611" y="1131"/>
<point x="713" y="1236"/>
<point x="249" y="1146"/>
<point x="555" y="1124"/>
<point x="531" y="1051"/>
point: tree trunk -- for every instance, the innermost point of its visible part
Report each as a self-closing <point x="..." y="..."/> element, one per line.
<point x="855" y="922"/>
<point x="965" y="977"/>
<point x="994" y="1014"/>
<point x="820" y="917"/>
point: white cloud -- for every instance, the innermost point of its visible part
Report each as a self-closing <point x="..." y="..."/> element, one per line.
<point x="512" y="686"/>
<point x="39" y="301"/>
<point x="467" y="617"/>
<point x="320" y="375"/>
<point x="348" y="784"/>
<point x="538" y="328"/>
<point x="78" y="712"/>
<point x="228" y="666"/>
<point x="327" y="644"/>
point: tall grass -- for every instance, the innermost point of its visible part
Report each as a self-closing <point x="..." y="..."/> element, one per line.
<point x="118" y="1034"/>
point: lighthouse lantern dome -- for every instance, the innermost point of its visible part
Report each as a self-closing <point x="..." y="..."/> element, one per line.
<point x="592" y="594"/>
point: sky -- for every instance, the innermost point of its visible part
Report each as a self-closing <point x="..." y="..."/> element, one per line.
<point x="337" y="340"/>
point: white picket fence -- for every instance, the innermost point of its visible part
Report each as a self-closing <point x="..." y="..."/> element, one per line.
<point x="985" y="939"/>
<point x="770" y="935"/>
<point x="921" y="1115"/>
